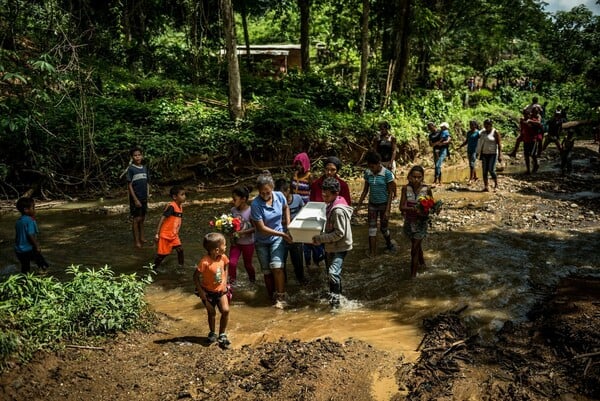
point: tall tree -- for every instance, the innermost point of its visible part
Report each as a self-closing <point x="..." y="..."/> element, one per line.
<point x="398" y="63"/>
<point x="304" y="6"/>
<point x="236" y="110"/>
<point x="364" y="55"/>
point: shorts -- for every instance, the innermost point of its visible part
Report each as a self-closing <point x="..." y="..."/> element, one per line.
<point x="135" y="211"/>
<point x="271" y="256"/>
<point x="472" y="159"/>
<point x="214" y="297"/>
<point x="530" y="148"/>
<point x="165" y="245"/>
<point x="416" y="229"/>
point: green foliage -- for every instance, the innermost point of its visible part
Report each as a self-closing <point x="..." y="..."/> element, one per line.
<point x="40" y="312"/>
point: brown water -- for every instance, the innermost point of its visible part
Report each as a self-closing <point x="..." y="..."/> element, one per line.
<point x="488" y="268"/>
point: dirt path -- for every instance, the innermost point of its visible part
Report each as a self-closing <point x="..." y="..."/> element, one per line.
<point x="554" y="355"/>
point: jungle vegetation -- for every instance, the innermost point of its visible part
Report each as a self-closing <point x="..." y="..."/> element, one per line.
<point x="83" y="81"/>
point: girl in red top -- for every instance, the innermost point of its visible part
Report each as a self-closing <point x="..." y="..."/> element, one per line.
<point x="167" y="233"/>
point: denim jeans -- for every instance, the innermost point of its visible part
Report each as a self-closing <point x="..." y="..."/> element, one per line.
<point x="439" y="160"/>
<point x="335" y="270"/>
<point x="270" y="256"/>
<point x="488" y="165"/>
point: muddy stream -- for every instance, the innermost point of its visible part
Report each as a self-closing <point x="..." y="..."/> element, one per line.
<point x="491" y="269"/>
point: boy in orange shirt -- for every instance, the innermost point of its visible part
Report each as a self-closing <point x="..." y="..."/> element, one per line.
<point x="167" y="233"/>
<point x="210" y="279"/>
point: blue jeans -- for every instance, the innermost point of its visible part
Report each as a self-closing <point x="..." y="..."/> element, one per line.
<point x="488" y="165"/>
<point x="336" y="260"/>
<point x="270" y="256"/>
<point x="438" y="158"/>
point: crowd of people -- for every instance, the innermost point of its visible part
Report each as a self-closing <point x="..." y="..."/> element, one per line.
<point x="264" y="220"/>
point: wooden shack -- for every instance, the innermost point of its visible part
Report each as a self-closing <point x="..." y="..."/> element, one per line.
<point x="283" y="56"/>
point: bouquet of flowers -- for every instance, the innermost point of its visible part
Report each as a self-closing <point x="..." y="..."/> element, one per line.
<point x="226" y="224"/>
<point x="426" y="204"/>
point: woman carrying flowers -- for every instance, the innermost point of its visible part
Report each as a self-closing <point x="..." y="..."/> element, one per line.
<point x="416" y="203"/>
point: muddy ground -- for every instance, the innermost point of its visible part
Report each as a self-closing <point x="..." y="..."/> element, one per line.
<point x="554" y="355"/>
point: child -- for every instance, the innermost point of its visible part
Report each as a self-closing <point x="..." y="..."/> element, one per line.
<point x="301" y="183"/>
<point x="471" y="142"/>
<point x="566" y="159"/>
<point x="210" y="279"/>
<point x="380" y="185"/>
<point x="167" y="233"/>
<point x="243" y="240"/>
<point x="294" y="249"/>
<point x="415" y="224"/>
<point x="137" y="185"/>
<point x="27" y="247"/>
<point x="337" y="237"/>
<point x="301" y="179"/>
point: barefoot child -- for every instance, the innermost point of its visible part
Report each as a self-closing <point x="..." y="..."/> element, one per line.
<point x="167" y="233"/>
<point x="27" y="247"/>
<point x="415" y="224"/>
<point x="137" y="186"/>
<point x="337" y="237"/>
<point x="210" y="279"/>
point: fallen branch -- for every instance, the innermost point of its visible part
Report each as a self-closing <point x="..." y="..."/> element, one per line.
<point x="441" y="347"/>
<point x="586" y="355"/>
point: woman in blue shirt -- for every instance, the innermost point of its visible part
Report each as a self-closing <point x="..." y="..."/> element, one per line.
<point x="270" y="213"/>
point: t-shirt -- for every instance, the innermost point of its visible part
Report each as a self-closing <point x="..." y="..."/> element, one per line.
<point x="173" y="214"/>
<point x="301" y="185"/>
<point x="138" y="177"/>
<point x="378" y="192"/>
<point x="214" y="274"/>
<point x="472" y="139"/>
<point x="295" y="205"/>
<point x="25" y="225"/>
<point x="244" y="215"/>
<point x="316" y="192"/>
<point x="270" y="215"/>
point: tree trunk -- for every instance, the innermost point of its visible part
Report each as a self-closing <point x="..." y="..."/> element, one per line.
<point x="236" y="110"/>
<point x="398" y="65"/>
<point x="403" y="39"/>
<point x="244" y="12"/>
<point x="364" y="56"/>
<point x="304" y="6"/>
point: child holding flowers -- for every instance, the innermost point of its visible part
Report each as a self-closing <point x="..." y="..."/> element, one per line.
<point x="243" y="238"/>
<point x="416" y="202"/>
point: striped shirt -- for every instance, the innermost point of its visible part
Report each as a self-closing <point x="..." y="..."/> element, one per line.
<point x="378" y="191"/>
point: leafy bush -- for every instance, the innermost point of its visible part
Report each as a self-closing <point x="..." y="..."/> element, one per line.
<point x="39" y="312"/>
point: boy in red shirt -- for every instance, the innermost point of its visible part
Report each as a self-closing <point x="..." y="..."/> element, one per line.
<point x="210" y="279"/>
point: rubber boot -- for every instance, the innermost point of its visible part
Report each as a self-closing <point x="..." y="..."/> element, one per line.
<point x="335" y="290"/>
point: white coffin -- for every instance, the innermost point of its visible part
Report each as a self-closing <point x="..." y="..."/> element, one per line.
<point x="309" y="221"/>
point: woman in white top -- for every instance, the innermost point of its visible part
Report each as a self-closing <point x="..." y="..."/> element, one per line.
<point x="489" y="149"/>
